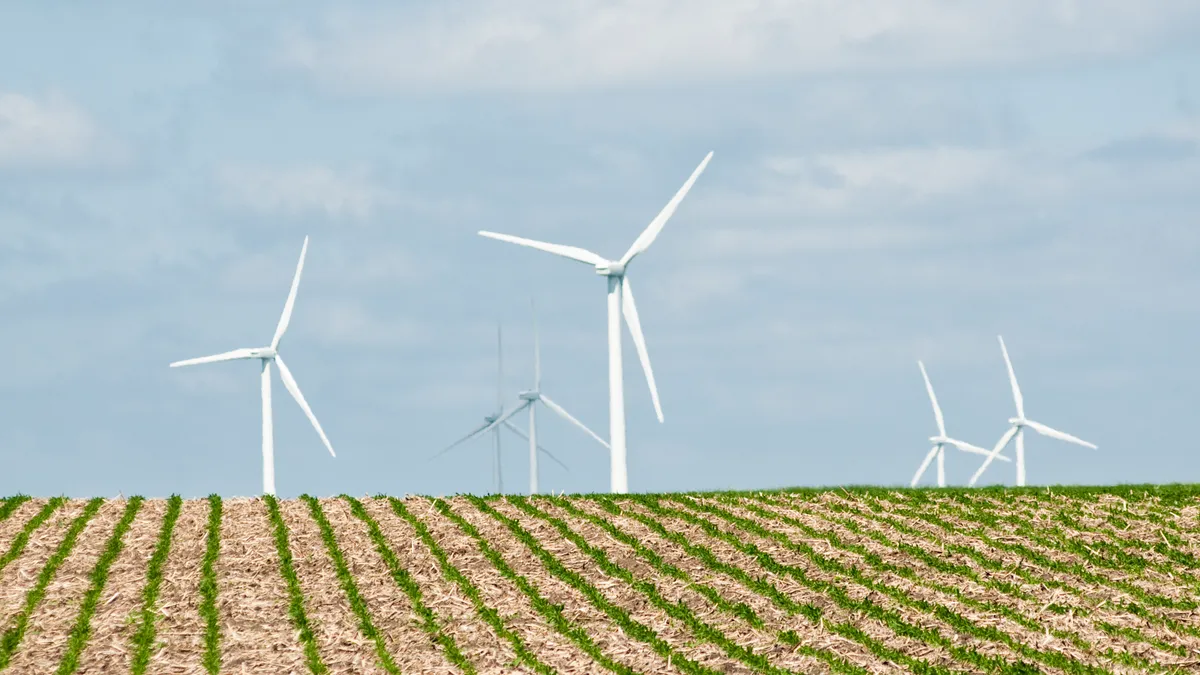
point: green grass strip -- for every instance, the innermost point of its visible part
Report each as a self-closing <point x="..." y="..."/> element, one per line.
<point x="348" y="586"/>
<point x="143" y="639"/>
<point x="451" y="573"/>
<point x="738" y="609"/>
<point x="680" y="612"/>
<point x="295" y="595"/>
<point x="17" y="547"/>
<point x="82" y="630"/>
<point x="552" y="612"/>
<point x="618" y="614"/>
<point x="429" y="620"/>
<point x="11" y="505"/>
<point x="13" y="636"/>
<point x="208" y="588"/>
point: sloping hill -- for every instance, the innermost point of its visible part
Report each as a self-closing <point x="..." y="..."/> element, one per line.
<point x="816" y="581"/>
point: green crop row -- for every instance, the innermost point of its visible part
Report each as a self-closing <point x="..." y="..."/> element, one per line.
<point x="619" y="615"/>
<point x="10" y="505"/>
<point x="357" y="605"/>
<point x="143" y="639"/>
<point x="452" y="574"/>
<point x="12" y="637"/>
<point x="295" y="596"/>
<point x="22" y="539"/>
<point x="82" y="630"/>
<point x="208" y="588"/>
<point x="678" y="611"/>
<point x="552" y="612"/>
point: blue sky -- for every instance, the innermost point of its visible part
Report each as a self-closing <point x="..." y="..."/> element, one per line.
<point x="892" y="180"/>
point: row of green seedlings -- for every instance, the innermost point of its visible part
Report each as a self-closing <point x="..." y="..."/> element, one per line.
<point x="1169" y="528"/>
<point x="676" y="610"/>
<point x="17" y="547"/>
<point x="892" y="512"/>
<point x="939" y="564"/>
<point x="144" y="637"/>
<point x="839" y="593"/>
<point x="1077" y="569"/>
<point x="10" y="505"/>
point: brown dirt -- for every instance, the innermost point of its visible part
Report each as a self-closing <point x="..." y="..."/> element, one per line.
<point x="257" y="634"/>
<point x="180" y="628"/>
<point x="19" y="576"/>
<point x="118" y="612"/>
<point x="53" y="618"/>
<point x="12" y="526"/>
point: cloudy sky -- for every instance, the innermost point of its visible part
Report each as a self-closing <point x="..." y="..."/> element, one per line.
<point x="893" y="180"/>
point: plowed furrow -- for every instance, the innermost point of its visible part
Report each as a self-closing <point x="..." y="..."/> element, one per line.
<point x="179" y="636"/>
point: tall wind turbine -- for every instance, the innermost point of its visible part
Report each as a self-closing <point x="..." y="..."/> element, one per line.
<point x="941" y="440"/>
<point x="620" y="301"/>
<point x="268" y="355"/>
<point x="1019" y="423"/>
<point x="498" y="419"/>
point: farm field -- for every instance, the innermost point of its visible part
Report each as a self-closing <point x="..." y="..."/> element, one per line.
<point x="844" y="580"/>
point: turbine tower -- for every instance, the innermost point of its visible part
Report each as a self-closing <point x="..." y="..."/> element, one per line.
<point x="1019" y="423"/>
<point x="941" y="440"/>
<point x="267" y="356"/>
<point x="620" y="301"/>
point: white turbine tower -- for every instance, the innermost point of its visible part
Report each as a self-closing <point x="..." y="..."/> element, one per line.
<point x="499" y="419"/>
<point x="267" y="355"/>
<point x="941" y="440"/>
<point x="1018" y="428"/>
<point x="620" y="301"/>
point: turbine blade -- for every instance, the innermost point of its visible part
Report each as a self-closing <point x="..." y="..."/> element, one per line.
<point x="516" y="430"/>
<point x="474" y="432"/>
<point x="1012" y="431"/>
<point x="507" y="416"/>
<point x="924" y="465"/>
<point x="572" y="252"/>
<point x="286" y="318"/>
<point x="639" y="342"/>
<point x="975" y="449"/>
<point x="648" y="235"/>
<point x="289" y="382"/>
<point x="937" y="410"/>
<point x="1012" y="379"/>
<point x="1060" y="435"/>
<point x="215" y="358"/>
<point x="561" y="412"/>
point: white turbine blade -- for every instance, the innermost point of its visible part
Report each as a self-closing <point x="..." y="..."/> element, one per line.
<point x="572" y="252"/>
<point x="227" y="356"/>
<point x="507" y="416"/>
<point x="1012" y="431"/>
<point x="474" y="432"/>
<point x="648" y="235"/>
<point x="516" y="430"/>
<point x="561" y="412"/>
<point x="924" y="465"/>
<point x="975" y="449"/>
<point x="639" y="342"/>
<point x="1012" y="379"/>
<point x="937" y="410"/>
<point x="289" y="382"/>
<point x="1060" y="435"/>
<point x="286" y="318"/>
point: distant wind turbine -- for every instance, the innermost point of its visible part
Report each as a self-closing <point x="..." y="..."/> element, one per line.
<point x="499" y="419"/>
<point x="620" y="301"/>
<point x="1018" y="428"/>
<point x="267" y="355"/>
<point x="941" y="440"/>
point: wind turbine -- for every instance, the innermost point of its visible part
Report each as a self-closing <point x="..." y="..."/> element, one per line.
<point x="941" y="440"/>
<point x="267" y="355"/>
<point x="620" y="301"/>
<point x="1019" y="423"/>
<point x="498" y="419"/>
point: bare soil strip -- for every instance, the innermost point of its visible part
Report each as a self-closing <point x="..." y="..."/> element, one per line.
<point x="498" y="592"/>
<point x="115" y="621"/>
<point x="180" y="626"/>
<point x="51" y="621"/>
<point x="12" y="526"/>
<point x="20" y="575"/>
<point x="257" y="635"/>
<point x="457" y="616"/>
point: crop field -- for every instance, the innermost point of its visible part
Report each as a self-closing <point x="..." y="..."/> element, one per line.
<point x="853" y="581"/>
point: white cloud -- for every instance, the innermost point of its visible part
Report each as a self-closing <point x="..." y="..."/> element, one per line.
<point x="45" y="131"/>
<point x="300" y="189"/>
<point x="532" y="45"/>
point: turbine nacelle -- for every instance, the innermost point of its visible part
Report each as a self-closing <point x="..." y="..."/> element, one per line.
<point x="1018" y="421"/>
<point x="610" y="268"/>
<point x="528" y="395"/>
<point x="265" y="353"/>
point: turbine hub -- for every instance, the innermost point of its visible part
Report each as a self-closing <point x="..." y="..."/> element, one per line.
<point x="265" y="353"/>
<point x="938" y="439"/>
<point x="1017" y="421"/>
<point x="610" y="268"/>
<point x="528" y="395"/>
